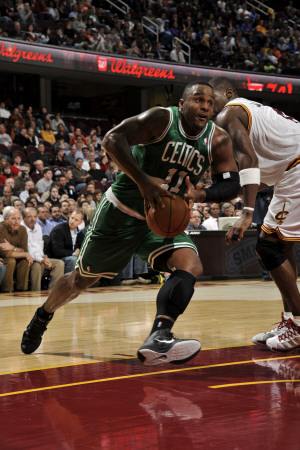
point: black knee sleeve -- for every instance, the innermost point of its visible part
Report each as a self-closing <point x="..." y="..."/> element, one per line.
<point x="270" y="253"/>
<point x="175" y="294"/>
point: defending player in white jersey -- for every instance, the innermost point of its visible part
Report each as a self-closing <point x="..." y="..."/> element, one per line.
<point x="266" y="144"/>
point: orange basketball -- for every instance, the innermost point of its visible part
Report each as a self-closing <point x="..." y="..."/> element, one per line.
<point x="171" y="220"/>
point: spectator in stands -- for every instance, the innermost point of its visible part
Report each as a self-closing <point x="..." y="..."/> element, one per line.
<point x="4" y="113"/>
<point x="14" y="251"/>
<point x="22" y="138"/>
<point x="65" y="241"/>
<point x="43" y="220"/>
<point x="25" y="14"/>
<point x="18" y="204"/>
<point x="40" y="154"/>
<point x="22" y="178"/>
<point x="16" y="164"/>
<point x="17" y="116"/>
<point x="212" y="223"/>
<point x="8" y="196"/>
<point x="227" y="210"/>
<point x="195" y="222"/>
<point x="78" y="136"/>
<point x="177" y="55"/>
<point x="59" y="159"/>
<point x="36" y="250"/>
<point x="44" y="183"/>
<point x="56" y="121"/>
<point x="37" y="174"/>
<point x="112" y="171"/>
<point x="104" y="162"/>
<point x="52" y="195"/>
<point x="31" y="136"/>
<point x="97" y="174"/>
<point x="47" y="134"/>
<point x="65" y="206"/>
<point x="90" y="158"/>
<point x="61" y="143"/>
<point x="29" y="186"/>
<point x="71" y="157"/>
<point x="80" y="176"/>
<point x="5" y="139"/>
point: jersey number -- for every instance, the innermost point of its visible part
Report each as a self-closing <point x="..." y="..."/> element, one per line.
<point x="181" y="176"/>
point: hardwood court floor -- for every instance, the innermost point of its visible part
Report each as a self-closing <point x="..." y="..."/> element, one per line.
<point x="85" y="389"/>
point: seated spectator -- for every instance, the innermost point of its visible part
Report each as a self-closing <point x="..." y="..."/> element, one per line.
<point x="59" y="159"/>
<point x="97" y="174"/>
<point x="56" y="217"/>
<point x="61" y="143"/>
<point x="32" y="200"/>
<point x="47" y="134"/>
<point x="55" y="122"/>
<point x="227" y="210"/>
<point x="91" y="158"/>
<point x="44" y="183"/>
<point x="66" y="185"/>
<point x="94" y="139"/>
<point x="64" y="206"/>
<point x="17" y="116"/>
<point x="38" y="173"/>
<point x="212" y="223"/>
<point x="195" y="222"/>
<point x="52" y="195"/>
<point x="112" y="171"/>
<point x="98" y="194"/>
<point x="40" y="154"/>
<point x="104" y="163"/>
<point x="43" y="220"/>
<point x="65" y="241"/>
<point x="29" y="188"/>
<point x="22" y="178"/>
<point x="80" y="176"/>
<point x="22" y="138"/>
<point x="5" y="139"/>
<point x="14" y="251"/>
<point x="19" y="205"/>
<point x="78" y="136"/>
<point x="4" y="113"/>
<point x="32" y="137"/>
<point x="36" y="250"/>
<point x="16" y="165"/>
<point x="8" y="196"/>
<point x="71" y="157"/>
<point x="177" y="54"/>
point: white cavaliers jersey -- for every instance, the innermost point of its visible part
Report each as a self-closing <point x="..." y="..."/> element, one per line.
<point x="275" y="138"/>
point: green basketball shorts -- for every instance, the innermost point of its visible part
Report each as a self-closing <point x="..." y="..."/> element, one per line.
<point x="113" y="237"/>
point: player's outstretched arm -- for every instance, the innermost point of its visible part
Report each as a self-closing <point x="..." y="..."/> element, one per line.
<point x="235" y="121"/>
<point x="144" y="128"/>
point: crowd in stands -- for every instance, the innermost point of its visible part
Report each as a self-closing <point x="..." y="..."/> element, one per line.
<point x="224" y="34"/>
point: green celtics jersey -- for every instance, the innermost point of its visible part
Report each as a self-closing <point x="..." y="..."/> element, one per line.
<point x="172" y="157"/>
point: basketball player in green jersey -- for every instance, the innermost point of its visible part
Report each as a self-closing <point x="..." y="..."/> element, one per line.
<point x="172" y="148"/>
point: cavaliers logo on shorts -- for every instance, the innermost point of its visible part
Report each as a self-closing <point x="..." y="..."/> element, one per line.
<point x="281" y="215"/>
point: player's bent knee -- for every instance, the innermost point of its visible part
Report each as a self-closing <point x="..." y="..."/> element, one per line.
<point x="270" y="253"/>
<point x="81" y="282"/>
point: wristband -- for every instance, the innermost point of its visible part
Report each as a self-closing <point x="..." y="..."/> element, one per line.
<point x="250" y="176"/>
<point x="248" y="207"/>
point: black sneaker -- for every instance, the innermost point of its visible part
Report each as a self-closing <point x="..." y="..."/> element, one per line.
<point x="32" y="336"/>
<point x="162" y="346"/>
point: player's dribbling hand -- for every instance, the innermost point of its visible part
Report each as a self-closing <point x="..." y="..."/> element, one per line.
<point x="152" y="189"/>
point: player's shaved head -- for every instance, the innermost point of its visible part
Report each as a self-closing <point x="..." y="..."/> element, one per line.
<point x="189" y="87"/>
<point x="222" y="84"/>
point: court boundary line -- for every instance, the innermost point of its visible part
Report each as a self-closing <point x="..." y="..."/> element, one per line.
<point x="128" y="377"/>
<point x="104" y="361"/>
<point x="218" y="386"/>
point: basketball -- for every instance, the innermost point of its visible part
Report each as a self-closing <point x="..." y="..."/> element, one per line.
<point x="171" y="220"/>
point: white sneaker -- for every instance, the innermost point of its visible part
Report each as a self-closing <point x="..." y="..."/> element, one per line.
<point x="287" y="340"/>
<point x="261" y="338"/>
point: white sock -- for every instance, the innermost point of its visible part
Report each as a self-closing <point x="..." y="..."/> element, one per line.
<point x="296" y="320"/>
<point x="287" y="315"/>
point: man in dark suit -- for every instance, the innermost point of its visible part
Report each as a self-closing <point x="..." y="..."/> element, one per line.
<point x="65" y="241"/>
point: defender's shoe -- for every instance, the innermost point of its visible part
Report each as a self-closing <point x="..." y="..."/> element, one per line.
<point x="261" y="338"/>
<point x="162" y="346"/>
<point x="32" y="336"/>
<point x="287" y="340"/>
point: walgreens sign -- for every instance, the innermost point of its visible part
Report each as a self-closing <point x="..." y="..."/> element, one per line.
<point x="134" y="68"/>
